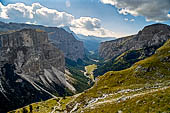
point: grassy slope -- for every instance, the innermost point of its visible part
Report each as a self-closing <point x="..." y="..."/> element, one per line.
<point x="156" y="102"/>
<point x="59" y="104"/>
<point x="145" y="73"/>
<point x="145" y="87"/>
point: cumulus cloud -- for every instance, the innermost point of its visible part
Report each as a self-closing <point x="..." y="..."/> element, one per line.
<point x="152" y="10"/>
<point x="52" y="17"/>
<point x="16" y="12"/>
<point x="35" y="13"/>
<point x="38" y="14"/>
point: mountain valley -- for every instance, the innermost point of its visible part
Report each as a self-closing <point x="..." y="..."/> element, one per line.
<point x="133" y="75"/>
<point x="84" y="56"/>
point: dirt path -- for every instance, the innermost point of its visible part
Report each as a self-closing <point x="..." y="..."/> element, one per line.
<point x="57" y="107"/>
<point x="124" y="98"/>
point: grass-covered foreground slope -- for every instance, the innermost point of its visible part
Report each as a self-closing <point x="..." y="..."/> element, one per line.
<point x="155" y="101"/>
<point x="151" y="74"/>
<point x="39" y="107"/>
<point x="142" y="88"/>
<point x="50" y="106"/>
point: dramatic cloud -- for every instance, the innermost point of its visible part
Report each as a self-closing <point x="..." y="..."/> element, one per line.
<point x="152" y="10"/>
<point x="38" y="14"/>
<point x="35" y="13"/>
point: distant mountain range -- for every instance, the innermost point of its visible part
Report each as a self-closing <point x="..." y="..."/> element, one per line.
<point x="91" y="43"/>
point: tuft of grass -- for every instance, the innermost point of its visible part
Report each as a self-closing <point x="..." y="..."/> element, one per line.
<point x="89" y="70"/>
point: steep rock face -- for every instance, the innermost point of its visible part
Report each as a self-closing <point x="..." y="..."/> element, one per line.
<point x="153" y="35"/>
<point x="31" y="69"/>
<point x="72" y="48"/>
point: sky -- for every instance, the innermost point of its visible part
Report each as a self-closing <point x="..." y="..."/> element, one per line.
<point x="101" y="18"/>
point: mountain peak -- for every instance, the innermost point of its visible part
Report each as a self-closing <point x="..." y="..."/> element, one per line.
<point x="157" y="28"/>
<point x="152" y="35"/>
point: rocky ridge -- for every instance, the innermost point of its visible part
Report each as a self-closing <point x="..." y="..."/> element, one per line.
<point x="31" y="69"/>
<point x="66" y="42"/>
<point x="152" y="35"/>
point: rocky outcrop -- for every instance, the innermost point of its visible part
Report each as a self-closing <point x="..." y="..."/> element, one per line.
<point x="31" y="69"/>
<point x="153" y="35"/>
<point x="66" y="42"/>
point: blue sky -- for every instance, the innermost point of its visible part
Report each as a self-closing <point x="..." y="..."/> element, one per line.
<point x="107" y="12"/>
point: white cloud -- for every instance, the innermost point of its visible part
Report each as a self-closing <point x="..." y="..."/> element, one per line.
<point x="39" y="14"/>
<point x="99" y="32"/>
<point x="16" y="12"/>
<point x="52" y="17"/>
<point x="152" y="10"/>
<point x="87" y="23"/>
<point x="35" y="13"/>
<point x="91" y="26"/>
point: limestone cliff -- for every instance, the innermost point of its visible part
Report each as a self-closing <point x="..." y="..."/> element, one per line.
<point x="31" y="69"/>
<point x="72" y="48"/>
<point x="66" y="42"/>
<point x="153" y="35"/>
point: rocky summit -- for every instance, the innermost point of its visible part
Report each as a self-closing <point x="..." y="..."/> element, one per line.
<point x="31" y="69"/>
<point x="152" y="35"/>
